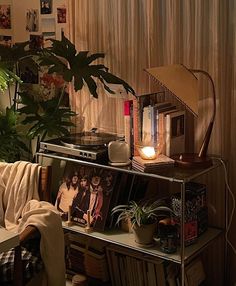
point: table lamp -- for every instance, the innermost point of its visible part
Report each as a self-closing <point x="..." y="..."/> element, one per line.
<point x="182" y="83"/>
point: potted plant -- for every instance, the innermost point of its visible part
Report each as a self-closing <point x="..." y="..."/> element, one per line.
<point x="49" y="117"/>
<point x="143" y="218"/>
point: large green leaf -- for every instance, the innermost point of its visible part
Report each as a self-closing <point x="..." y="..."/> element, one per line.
<point x="46" y="118"/>
<point x="63" y="59"/>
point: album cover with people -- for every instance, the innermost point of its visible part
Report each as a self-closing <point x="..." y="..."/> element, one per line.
<point x="85" y="191"/>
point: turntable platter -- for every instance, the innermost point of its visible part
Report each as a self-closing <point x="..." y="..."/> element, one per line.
<point x="87" y="139"/>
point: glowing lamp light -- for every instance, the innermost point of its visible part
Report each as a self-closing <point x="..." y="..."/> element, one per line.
<point x="147" y="152"/>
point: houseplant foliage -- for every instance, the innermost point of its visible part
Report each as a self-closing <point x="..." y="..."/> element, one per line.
<point x="63" y="59"/>
<point x="6" y="77"/>
<point x="143" y="218"/>
<point x="12" y="145"/>
<point x="48" y="116"/>
<point x="140" y="213"/>
<point x="12" y="141"/>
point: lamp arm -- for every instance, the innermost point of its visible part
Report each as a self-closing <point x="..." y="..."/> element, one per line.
<point x="205" y="143"/>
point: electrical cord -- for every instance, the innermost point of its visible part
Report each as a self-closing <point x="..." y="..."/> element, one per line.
<point x="233" y="204"/>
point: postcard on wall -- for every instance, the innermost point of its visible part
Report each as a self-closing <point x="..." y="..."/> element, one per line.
<point x="32" y="20"/>
<point x="36" y="42"/>
<point x="6" y="41"/>
<point x="48" y="25"/>
<point x="46" y="6"/>
<point x="88" y="190"/>
<point x="47" y="37"/>
<point x="5" y="17"/>
<point x="61" y="15"/>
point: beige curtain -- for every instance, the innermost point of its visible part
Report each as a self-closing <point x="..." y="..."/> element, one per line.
<point x="136" y="34"/>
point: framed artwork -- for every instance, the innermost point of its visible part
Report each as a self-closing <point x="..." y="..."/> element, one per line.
<point x="5" y="17"/>
<point x="61" y="15"/>
<point x="36" y="42"/>
<point x="6" y="41"/>
<point x="46" y="6"/>
<point x="32" y="20"/>
<point x="83" y="189"/>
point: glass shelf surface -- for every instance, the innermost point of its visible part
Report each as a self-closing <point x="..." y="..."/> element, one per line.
<point x="173" y="174"/>
<point x="126" y="239"/>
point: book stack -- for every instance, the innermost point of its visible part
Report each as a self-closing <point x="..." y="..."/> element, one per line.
<point x="128" y="267"/>
<point x="149" y="166"/>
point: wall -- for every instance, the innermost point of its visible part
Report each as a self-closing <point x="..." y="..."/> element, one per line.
<point x="19" y="10"/>
<point x="45" y="23"/>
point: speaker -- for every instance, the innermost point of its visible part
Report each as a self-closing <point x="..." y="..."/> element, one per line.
<point x="119" y="153"/>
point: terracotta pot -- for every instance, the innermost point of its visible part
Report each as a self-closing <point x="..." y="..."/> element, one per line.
<point x="144" y="234"/>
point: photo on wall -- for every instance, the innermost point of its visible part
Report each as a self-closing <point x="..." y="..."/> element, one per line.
<point x="5" y="17"/>
<point x="61" y="15"/>
<point x="32" y="20"/>
<point x="36" y="42"/>
<point x="46" y="6"/>
<point x="6" y="41"/>
<point x="86" y="188"/>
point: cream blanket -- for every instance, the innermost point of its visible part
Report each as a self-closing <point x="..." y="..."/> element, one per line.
<point x="19" y="207"/>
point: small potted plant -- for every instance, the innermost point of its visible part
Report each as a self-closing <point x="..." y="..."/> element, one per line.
<point x="143" y="218"/>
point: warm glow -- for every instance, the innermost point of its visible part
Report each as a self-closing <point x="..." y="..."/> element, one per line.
<point x="148" y="152"/>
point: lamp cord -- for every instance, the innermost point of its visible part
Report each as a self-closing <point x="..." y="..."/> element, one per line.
<point x="233" y="204"/>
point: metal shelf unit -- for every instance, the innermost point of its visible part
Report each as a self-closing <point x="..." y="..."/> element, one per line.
<point x="173" y="174"/>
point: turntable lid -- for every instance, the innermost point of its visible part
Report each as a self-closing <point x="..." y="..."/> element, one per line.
<point x="89" y="139"/>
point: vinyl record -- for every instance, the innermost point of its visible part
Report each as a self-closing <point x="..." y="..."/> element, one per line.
<point x="87" y="139"/>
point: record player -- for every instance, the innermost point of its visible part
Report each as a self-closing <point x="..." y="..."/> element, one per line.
<point x="91" y="146"/>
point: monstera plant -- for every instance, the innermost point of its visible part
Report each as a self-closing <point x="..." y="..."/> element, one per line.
<point x="63" y="58"/>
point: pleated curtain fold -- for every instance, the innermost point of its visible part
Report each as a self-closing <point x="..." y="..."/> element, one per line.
<point x="137" y="34"/>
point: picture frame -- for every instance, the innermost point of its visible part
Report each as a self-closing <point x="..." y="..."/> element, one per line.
<point x="46" y="7"/>
<point x="61" y="15"/>
<point x="5" y="17"/>
<point x="83" y="189"/>
<point x="32" y="20"/>
<point x="6" y="40"/>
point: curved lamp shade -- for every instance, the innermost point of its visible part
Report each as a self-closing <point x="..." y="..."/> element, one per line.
<point x="182" y="83"/>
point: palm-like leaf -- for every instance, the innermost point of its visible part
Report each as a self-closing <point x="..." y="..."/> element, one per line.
<point x="45" y="117"/>
<point x="63" y="59"/>
<point x="12" y="145"/>
<point x="6" y="77"/>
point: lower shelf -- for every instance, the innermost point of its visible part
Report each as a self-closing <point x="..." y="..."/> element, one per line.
<point x="127" y="240"/>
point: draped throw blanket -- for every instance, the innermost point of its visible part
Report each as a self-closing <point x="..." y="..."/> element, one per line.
<point x="20" y="207"/>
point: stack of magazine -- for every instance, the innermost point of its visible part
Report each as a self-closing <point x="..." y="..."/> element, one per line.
<point x="153" y="165"/>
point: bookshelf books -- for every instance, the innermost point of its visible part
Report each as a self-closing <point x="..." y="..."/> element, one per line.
<point x="128" y="106"/>
<point x="160" y="162"/>
<point x="175" y="132"/>
<point x="128" y="267"/>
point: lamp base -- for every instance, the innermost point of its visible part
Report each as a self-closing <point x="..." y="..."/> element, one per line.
<point x="191" y="160"/>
